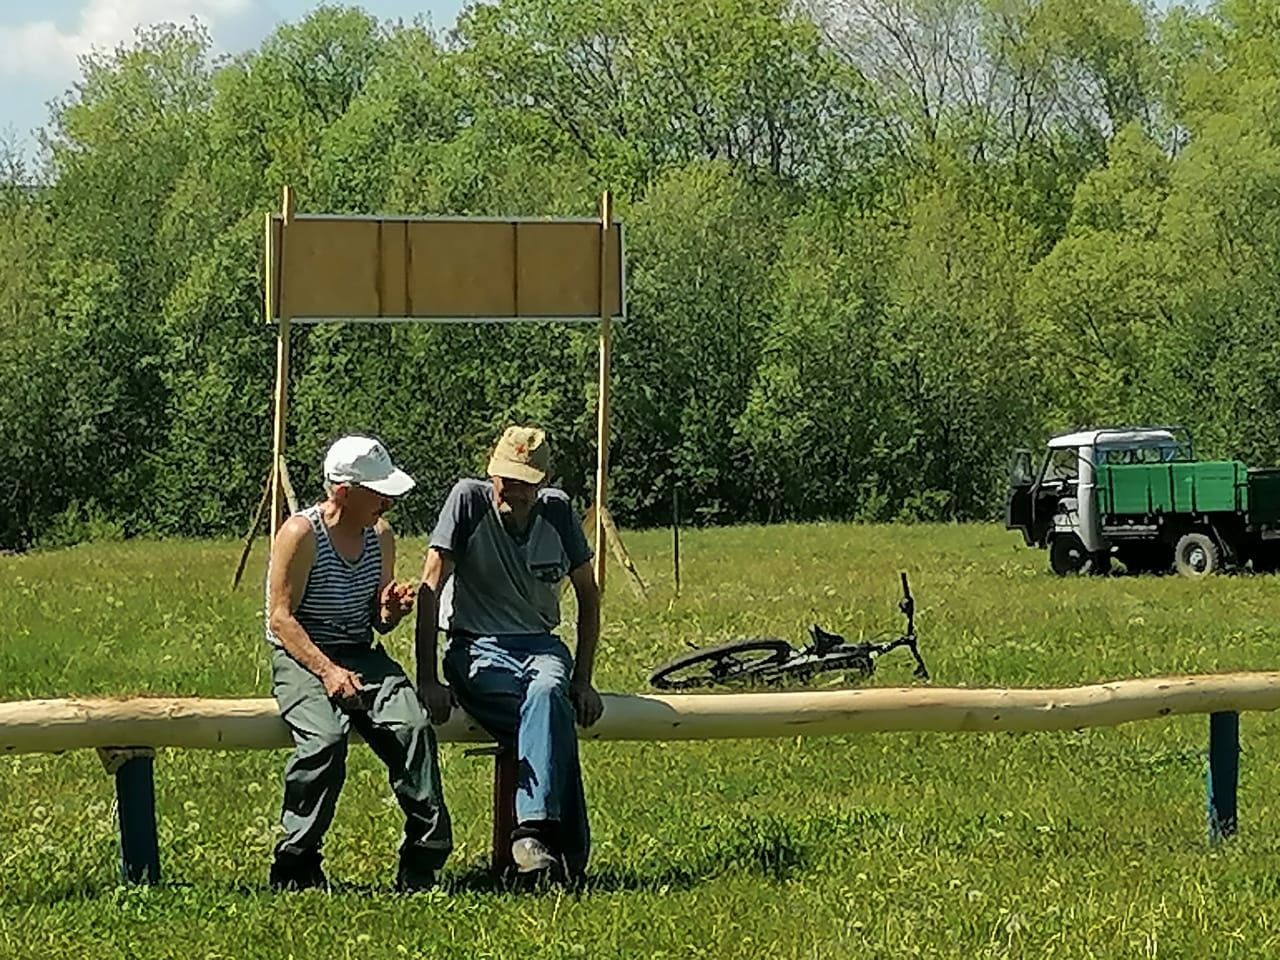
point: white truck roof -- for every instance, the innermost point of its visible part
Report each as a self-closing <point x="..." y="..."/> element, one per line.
<point x="1127" y="437"/>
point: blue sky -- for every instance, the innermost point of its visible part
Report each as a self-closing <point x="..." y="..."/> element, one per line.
<point x="40" y="40"/>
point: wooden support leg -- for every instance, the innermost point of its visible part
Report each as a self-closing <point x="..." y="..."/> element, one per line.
<point x="1224" y="773"/>
<point x="253" y="529"/>
<point x="616" y="546"/>
<point x="505" y="769"/>
<point x="621" y="554"/>
<point x="136" y="802"/>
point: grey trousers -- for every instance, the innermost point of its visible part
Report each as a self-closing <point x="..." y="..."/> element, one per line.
<point x="396" y="727"/>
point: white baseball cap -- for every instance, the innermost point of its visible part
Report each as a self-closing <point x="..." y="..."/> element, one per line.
<point x="365" y="461"/>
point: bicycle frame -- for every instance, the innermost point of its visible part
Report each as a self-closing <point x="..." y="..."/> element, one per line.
<point x="829" y="646"/>
<point x="830" y="651"/>
<point x="769" y="660"/>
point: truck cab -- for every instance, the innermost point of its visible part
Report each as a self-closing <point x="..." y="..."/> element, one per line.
<point x="1056" y="506"/>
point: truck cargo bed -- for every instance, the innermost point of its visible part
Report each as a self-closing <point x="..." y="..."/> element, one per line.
<point x="1204" y="486"/>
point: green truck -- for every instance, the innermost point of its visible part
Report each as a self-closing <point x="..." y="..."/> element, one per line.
<point x="1139" y="496"/>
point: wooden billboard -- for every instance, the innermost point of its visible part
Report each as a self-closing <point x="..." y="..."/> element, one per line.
<point x="332" y="268"/>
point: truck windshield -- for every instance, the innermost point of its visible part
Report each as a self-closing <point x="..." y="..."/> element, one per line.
<point x="1160" y="454"/>
<point x="1063" y="464"/>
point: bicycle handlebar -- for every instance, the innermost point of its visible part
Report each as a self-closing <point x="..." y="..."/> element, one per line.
<point x="908" y="605"/>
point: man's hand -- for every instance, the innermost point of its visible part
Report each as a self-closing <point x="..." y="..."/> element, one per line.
<point x="587" y="704"/>
<point x="437" y="698"/>
<point x="341" y="684"/>
<point x="397" y="601"/>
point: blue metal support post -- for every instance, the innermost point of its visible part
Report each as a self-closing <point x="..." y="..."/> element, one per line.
<point x="136" y="802"/>
<point x="1224" y="773"/>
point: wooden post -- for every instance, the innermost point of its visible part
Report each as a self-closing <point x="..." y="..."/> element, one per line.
<point x="1224" y="773"/>
<point x="136" y="805"/>
<point x="289" y="498"/>
<point x="622" y="555"/>
<point x="278" y="501"/>
<point x="602" y="422"/>
<point x="253" y="529"/>
<point x="505" y="770"/>
<point x="675" y="533"/>
<point x="617" y="548"/>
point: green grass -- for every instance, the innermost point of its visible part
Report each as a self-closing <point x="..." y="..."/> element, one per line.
<point x="893" y="845"/>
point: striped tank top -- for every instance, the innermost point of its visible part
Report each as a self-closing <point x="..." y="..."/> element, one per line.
<point x="337" y="606"/>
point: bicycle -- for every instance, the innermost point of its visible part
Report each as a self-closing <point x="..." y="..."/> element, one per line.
<point x="770" y="660"/>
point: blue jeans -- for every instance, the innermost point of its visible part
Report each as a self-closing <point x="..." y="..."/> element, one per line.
<point x="517" y="688"/>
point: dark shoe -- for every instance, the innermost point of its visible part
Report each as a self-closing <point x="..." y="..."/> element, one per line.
<point x="414" y="878"/>
<point x="297" y="871"/>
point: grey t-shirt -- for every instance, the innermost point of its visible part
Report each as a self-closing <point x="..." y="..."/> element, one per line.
<point x="503" y="584"/>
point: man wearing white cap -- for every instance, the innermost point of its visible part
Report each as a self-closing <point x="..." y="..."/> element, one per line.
<point x="329" y="586"/>
<point x="498" y="555"/>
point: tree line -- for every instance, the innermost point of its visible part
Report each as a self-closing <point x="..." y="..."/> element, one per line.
<point x="873" y="245"/>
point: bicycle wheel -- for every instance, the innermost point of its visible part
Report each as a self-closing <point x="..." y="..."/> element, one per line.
<point x="728" y="662"/>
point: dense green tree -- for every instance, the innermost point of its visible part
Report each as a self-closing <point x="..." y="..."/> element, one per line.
<point x="870" y="247"/>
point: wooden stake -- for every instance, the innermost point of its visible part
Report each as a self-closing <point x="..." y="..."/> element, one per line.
<point x="675" y="533"/>
<point x="290" y="497"/>
<point x="602" y="422"/>
<point x="253" y="529"/>
<point x="617" y="548"/>
<point x="282" y="370"/>
<point x="620" y="554"/>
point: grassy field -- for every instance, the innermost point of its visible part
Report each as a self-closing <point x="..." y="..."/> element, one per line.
<point x="895" y="845"/>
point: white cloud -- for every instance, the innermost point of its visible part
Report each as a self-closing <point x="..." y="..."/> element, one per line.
<point x="40" y="48"/>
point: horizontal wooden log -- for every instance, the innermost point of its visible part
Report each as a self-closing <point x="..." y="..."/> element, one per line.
<point x="50" y="726"/>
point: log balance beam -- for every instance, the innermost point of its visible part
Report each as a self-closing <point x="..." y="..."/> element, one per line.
<point x="126" y="732"/>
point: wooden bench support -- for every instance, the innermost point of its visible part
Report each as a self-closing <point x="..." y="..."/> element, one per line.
<point x="1224" y="773"/>
<point x="136" y="804"/>
<point x="505" y="770"/>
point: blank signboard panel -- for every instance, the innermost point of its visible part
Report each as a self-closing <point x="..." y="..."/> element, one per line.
<point x="335" y="268"/>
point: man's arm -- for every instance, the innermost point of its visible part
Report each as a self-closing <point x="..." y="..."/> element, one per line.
<point x="393" y="601"/>
<point x="586" y="701"/>
<point x="292" y="554"/>
<point x="437" y="697"/>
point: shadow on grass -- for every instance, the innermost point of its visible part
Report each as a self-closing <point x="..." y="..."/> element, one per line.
<point x="770" y="848"/>
<point x="89" y="891"/>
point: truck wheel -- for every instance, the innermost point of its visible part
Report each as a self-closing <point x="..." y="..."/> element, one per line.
<point x="1196" y="555"/>
<point x="1067" y="555"/>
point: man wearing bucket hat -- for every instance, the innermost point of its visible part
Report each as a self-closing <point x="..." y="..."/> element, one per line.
<point x="497" y="556"/>
<point x="329" y="586"/>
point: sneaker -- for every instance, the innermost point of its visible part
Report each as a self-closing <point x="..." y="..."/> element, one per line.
<point x="297" y="871"/>
<point x="412" y="878"/>
<point x="534" y="858"/>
